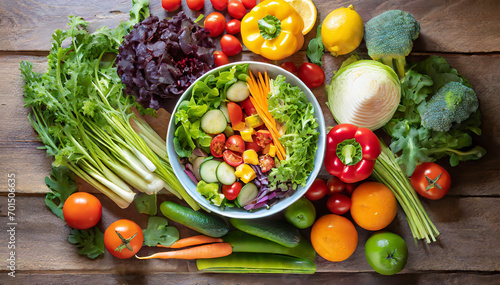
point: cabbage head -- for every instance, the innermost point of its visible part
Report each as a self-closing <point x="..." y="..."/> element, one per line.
<point x="365" y="93"/>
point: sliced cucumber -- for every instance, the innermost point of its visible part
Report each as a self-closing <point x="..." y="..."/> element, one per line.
<point x="225" y="111"/>
<point x="247" y="194"/>
<point x="213" y="122"/>
<point x="196" y="166"/>
<point x="225" y="173"/>
<point x="208" y="170"/>
<point x="237" y="92"/>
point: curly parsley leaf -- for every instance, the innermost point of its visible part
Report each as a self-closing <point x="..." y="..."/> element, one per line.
<point x="315" y="49"/>
<point x="90" y="242"/>
<point x="61" y="184"/>
<point x="157" y="232"/>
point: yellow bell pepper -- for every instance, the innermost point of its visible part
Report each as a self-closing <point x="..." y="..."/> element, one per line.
<point x="270" y="149"/>
<point x="246" y="134"/>
<point x="273" y="29"/>
<point x="245" y="173"/>
<point x="250" y="156"/>
<point x="254" y="121"/>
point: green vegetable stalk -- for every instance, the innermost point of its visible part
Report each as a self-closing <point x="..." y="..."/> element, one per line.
<point x="388" y="172"/>
<point x="256" y="263"/>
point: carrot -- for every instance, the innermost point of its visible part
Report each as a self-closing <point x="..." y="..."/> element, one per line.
<point x="190" y="241"/>
<point x="212" y="250"/>
<point x="259" y="88"/>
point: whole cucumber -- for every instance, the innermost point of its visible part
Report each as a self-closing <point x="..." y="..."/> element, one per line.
<point x="243" y="242"/>
<point x="278" y="232"/>
<point x="206" y="224"/>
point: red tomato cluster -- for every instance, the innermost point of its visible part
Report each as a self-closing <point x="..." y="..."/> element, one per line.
<point x="338" y="201"/>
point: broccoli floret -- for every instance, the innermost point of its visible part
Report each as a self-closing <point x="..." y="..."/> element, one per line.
<point x="453" y="103"/>
<point x="389" y="36"/>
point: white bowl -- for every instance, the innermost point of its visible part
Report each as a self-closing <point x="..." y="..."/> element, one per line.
<point x="241" y="213"/>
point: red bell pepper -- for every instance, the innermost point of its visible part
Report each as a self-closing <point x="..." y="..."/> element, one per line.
<point x="351" y="152"/>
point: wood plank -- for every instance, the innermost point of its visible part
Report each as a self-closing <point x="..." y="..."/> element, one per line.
<point x="18" y="140"/>
<point x="431" y="278"/>
<point x="466" y="26"/>
<point x="469" y="240"/>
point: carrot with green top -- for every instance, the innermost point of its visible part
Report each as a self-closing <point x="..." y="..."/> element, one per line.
<point x="191" y="241"/>
<point x="212" y="250"/>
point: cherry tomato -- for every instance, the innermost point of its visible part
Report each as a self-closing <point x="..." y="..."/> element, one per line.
<point x="235" y="113"/>
<point x="230" y="45"/>
<point x="219" y="4"/>
<point x="232" y="158"/>
<point x="349" y="188"/>
<point x="249" y="4"/>
<point x="215" y="23"/>
<point x="233" y="27"/>
<point x="431" y="180"/>
<point x="220" y="58"/>
<point x="171" y="5"/>
<point x="338" y="203"/>
<point x="248" y="107"/>
<point x="311" y="74"/>
<point x="127" y="243"/>
<point x="335" y="185"/>
<point x="231" y="191"/>
<point x="236" y="9"/>
<point x="217" y="145"/>
<point x="253" y="145"/>
<point x="266" y="162"/>
<point x="263" y="138"/>
<point x="235" y="143"/>
<point x="290" y="67"/>
<point x="82" y="210"/>
<point x="317" y="190"/>
<point x="195" y="4"/>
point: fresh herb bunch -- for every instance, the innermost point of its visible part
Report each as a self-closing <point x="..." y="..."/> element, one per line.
<point x="420" y="144"/>
<point x="84" y="120"/>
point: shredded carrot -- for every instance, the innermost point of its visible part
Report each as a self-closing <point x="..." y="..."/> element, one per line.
<point x="259" y="88"/>
<point x="212" y="250"/>
<point x="190" y="241"/>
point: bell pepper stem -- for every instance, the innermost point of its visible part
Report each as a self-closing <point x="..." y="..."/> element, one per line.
<point x="348" y="151"/>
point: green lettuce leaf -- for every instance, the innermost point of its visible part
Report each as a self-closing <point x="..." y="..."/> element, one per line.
<point x="157" y="232"/>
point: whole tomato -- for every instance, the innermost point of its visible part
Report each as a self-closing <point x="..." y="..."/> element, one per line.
<point x="338" y="203"/>
<point x="215" y="23"/>
<point x="249" y="4"/>
<point x="317" y="190"/>
<point x="231" y="191"/>
<point x="290" y="67"/>
<point x="220" y="5"/>
<point x="171" y="5"/>
<point x="195" y="4"/>
<point x="82" y="210"/>
<point x="233" y="27"/>
<point x="431" y="180"/>
<point x="230" y="45"/>
<point x="123" y="238"/>
<point x="220" y="58"/>
<point x="311" y="74"/>
<point x="236" y="9"/>
<point x="335" y="185"/>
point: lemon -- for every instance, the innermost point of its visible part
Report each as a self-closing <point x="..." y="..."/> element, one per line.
<point x="307" y="11"/>
<point x="342" y="31"/>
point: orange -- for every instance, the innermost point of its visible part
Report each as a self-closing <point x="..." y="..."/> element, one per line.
<point x="334" y="237"/>
<point x="373" y="206"/>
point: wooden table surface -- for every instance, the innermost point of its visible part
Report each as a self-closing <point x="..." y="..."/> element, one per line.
<point x="466" y="33"/>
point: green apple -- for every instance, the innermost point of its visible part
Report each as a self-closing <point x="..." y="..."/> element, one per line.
<point x="301" y="214"/>
<point x="386" y="253"/>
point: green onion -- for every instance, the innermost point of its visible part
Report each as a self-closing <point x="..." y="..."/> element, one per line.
<point x="388" y="172"/>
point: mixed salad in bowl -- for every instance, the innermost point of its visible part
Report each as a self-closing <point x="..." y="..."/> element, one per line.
<point x="247" y="136"/>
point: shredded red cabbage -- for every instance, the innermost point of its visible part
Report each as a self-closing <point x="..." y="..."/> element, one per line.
<point x="159" y="60"/>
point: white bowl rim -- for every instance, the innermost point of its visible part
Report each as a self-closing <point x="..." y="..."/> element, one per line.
<point x="187" y="183"/>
